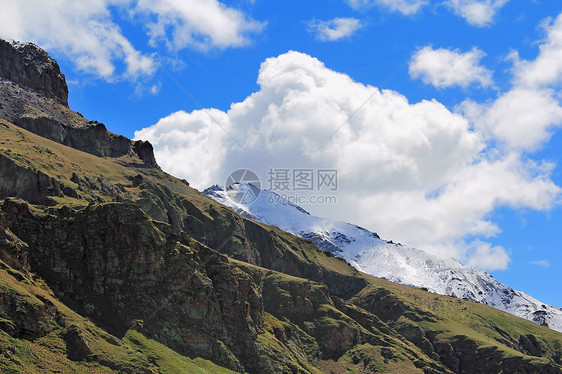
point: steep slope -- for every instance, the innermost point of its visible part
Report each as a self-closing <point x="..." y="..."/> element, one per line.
<point x="38" y="333"/>
<point x="174" y="277"/>
<point x="398" y="263"/>
<point x="132" y="272"/>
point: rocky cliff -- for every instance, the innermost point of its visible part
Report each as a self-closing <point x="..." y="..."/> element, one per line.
<point x="34" y="95"/>
<point x="108" y="264"/>
<point x="31" y="67"/>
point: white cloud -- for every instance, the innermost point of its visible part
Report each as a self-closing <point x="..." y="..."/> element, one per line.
<point x="490" y="258"/>
<point x="476" y="12"/>
<point x="190" y="143"/>
<point x="201" y="24"/>
<point x="546" y="69"/>
<point x="155" y="88"/>
<point x="142" y="89"/>
<point x="525" y="117"/>
<point x="542" y="263"/>
<point x="406" y="7"/>
<point x="446" y="68"/>
<point x="84" y="31"/>
<point x="414" y="172"/>
<point x="334" y="29"/>
<point x="521" y="118"/>
<point x="439" y="220"/>
<point x="87" y="33"/>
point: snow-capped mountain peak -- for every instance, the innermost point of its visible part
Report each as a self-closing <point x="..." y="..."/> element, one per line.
<point x="396" y="262"/>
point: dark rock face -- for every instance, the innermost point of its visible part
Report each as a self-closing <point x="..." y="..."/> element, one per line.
<point x="53" y="121"/>
<point x="28" y="65"/>
<point x="530" y="345"/>
<point x="24" y="317"/>
<point x="13" y="251"/>
<point x="92" y="138"/>
<point x="32" y="185"/>
<point x="76" y="345"/>
<point x="118" y="267"/>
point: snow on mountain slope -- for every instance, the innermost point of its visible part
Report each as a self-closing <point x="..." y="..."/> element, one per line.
<point x="396" y="262"/>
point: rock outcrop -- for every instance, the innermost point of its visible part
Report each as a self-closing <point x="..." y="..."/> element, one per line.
<point x="112" y="263"/>
<point x="30" y="66"/>
<point x="34" y="96"/>
<point x="92" y="137"/>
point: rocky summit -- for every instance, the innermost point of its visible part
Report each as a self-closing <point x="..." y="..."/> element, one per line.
<point x="108" y="264"/>
<point x="31" y="67"/>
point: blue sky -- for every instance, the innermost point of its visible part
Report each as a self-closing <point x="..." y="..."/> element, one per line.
<point x="475" y="173"/>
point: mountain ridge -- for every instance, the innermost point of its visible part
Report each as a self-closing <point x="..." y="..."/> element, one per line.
<point x="396" y="262"/>
<point x="108" y="264"/>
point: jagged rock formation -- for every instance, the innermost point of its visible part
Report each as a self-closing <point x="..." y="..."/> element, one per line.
<point x="30" y="66"/>
<point x="43" y="110"/>
<point x="169" y="277"/>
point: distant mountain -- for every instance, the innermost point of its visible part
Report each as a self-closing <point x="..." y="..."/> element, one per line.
<point x="398" y="263"/>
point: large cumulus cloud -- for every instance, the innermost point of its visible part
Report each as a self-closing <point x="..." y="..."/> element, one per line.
<point x="414" y="172"/>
